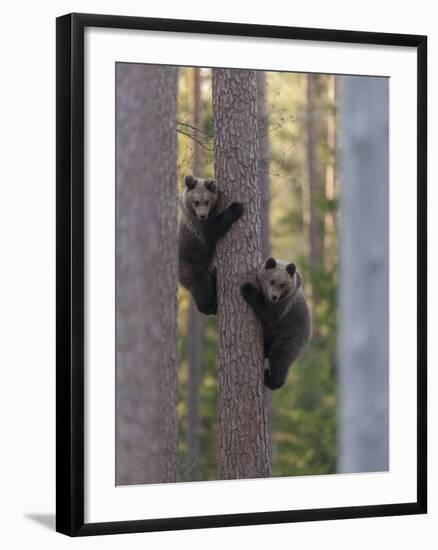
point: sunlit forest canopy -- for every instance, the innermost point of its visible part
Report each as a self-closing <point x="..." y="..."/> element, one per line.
<point x="301" y="127"/>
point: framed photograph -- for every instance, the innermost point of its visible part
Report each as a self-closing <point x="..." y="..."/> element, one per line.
<point x="241" y="274"/>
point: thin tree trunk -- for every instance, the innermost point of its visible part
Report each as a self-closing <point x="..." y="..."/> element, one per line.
<point x="264" y="154"/>
<point x="146" y="236"/>
<point x="197" y="120"/>
<point x="330" y="173"/>
<point x="194" y="323"/>
<point x="314" y="176"/>
<point x="364" y="325"/>
<point x="165" y="125"/>
<point x="313" y="191"/>
<point x="264" y="183"/>
<point x="243" y="432"/>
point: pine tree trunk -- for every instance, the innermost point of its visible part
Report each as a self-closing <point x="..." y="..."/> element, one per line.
<point x="330" y="174"/>
<point x="166" y="165"/>
<point x="243" y="432"/>
<point x="264" y="161"/>
<point x="314" y="176"/>
<point x="264" y="183"/>
<point x="194" y="323"/>
<point x="146" y="302"/>
<point x="197" y="121"/>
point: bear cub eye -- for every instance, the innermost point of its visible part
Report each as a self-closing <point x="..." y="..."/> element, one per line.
<point x="272" y="283"/>
<point x="196" y="203"/>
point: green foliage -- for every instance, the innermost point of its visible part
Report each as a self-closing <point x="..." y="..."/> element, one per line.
<point x="304" y="411"/>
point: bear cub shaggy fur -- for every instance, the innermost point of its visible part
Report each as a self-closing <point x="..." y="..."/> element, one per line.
<point x="282" y="310"/>
<point x="200" y="227"/>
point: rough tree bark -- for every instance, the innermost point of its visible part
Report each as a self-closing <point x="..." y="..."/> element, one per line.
<point x="264" y="183"/>
<point x="194" y="323"/>
<point x="244" y="450"/>
<point x="263" y="120"/>
<point x="364" y="325"/>
<point x="166" y="164"/>
<point x="146" y="259"/>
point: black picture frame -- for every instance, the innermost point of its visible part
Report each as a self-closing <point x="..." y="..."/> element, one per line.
<point x="70" y="273"/>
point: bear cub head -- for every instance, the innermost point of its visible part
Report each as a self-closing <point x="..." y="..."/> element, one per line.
<point x="200" y="196"/>
<point x="278" y="280"/>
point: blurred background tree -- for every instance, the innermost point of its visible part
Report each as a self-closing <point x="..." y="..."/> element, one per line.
<point x="363" y="382"/>
<point x="146" y="331"/>
<point x="195" y="320"/>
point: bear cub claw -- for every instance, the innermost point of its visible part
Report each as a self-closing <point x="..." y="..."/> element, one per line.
<point x="247" y="290"/>
<point x="236" y="210"/>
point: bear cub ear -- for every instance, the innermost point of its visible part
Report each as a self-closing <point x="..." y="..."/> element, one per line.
<point x="270" y="263"/>
<point x="211" y="185"/>
<point x="190" y="182"/>
<point x="291" y="269"/>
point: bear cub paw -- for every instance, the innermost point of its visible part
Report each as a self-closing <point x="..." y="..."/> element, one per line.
<point x="212" y="310"/>
<point x="248" y="290"/>
<point x="236" y="210"/>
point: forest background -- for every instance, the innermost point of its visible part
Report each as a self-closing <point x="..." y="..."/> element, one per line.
<point x="297" y="114"/>
<point x="307" y="154"/>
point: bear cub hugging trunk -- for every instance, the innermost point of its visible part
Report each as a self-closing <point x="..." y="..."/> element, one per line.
<point x="200" y="227"/>
<point x="282" y="310"/>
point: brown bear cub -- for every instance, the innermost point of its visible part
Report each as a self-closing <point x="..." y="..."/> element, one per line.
<point x="282" y="310"/>
<point x="200" y="227"/>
